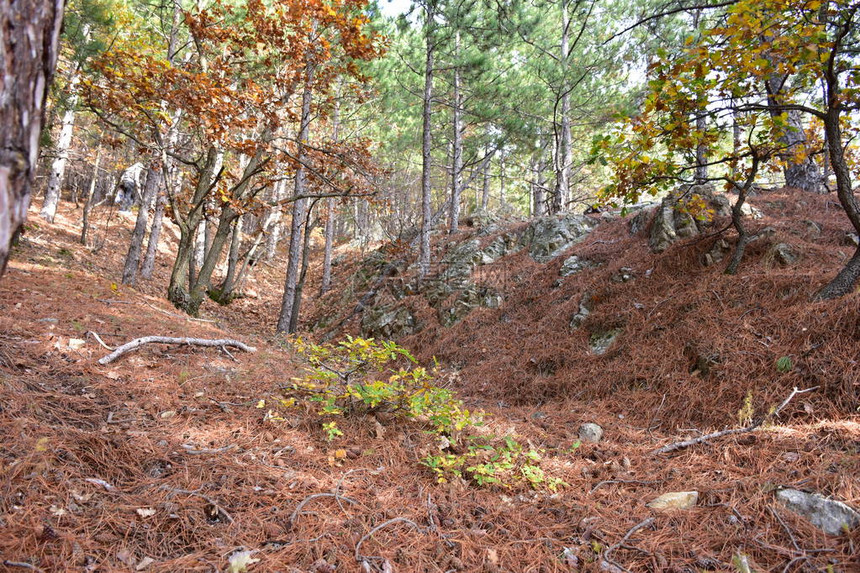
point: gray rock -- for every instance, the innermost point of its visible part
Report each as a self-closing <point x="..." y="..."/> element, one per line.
<point x="624" y="274"/>
<point x="640" y="221"/>
<point x="469" y="299"/>
<point x="585" y="307"/>
<point x="590" y="433"/>
<point x="784" y="254"/>
<point x="548" y="237"/>
<point x="717" y="253"/>
<point x="671" y="224"/>
<point x="748" y="210"/>
<point x="499" y="247"/>
<point x="675" y="500"/>
<point x="601" y="341"/>
<point x="573" y="265"/>
<point x="831" y="516"/>
<point x="388" y="322"/>
<point x="813" y="229"/>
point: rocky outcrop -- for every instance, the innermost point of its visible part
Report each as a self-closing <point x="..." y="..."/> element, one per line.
<point x="548" y="237"/>
<point x="388" y="322"/>
<point x="672" y="224"/>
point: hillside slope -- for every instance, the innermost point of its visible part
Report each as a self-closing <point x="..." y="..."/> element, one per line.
<point x="164" y="461"/>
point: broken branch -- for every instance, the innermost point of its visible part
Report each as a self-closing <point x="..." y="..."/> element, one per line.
<point x="752" y="427"/>
<point x="138" y="342"/>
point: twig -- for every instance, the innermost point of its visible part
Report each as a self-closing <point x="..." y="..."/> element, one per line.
<point x="636" y="481"/>
<point x="99" y="340"/>
<point x="138" y="342"/>
<point x="785" y="527"/>
<point x="310" y="498"/>
<point x="21" y="564"/>
<point x="361" y="558"/>
<point x="190" y="450"/>
<point x="227" y="352"/>
<point x="754" y="426"/>
<point x="606" y="554"/>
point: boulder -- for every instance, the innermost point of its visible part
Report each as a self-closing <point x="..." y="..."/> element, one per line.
<point x="472" y="297"/>
<point x="831" y="516"/>
<point x="671" y="224"/>
<point x="548" y="237"/>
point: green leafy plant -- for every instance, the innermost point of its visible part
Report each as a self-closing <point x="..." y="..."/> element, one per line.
<point x="359" y="376"/>
<point x="784" y="365"/>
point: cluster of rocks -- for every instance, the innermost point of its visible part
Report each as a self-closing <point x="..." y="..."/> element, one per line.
<point x="452" y="290"/>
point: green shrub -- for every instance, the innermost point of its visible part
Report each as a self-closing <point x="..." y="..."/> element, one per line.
<point x="359" y="376"/>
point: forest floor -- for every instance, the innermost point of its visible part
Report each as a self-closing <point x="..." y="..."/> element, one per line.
<point x="164" y="461"/>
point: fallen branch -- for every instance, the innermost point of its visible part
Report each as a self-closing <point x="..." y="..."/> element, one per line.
<point x="606" y="554"/>
<point x="362" y="558"/>
<point x="138" y="342"/>
<point x="312" y="497"/>
<point x="752" y="427"/>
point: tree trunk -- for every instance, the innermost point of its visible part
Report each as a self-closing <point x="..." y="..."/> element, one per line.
<point x="227" y="287"/>
<point x="58" y="167"/>
<point x="564" y="156"/>
<point x="154" y="234"/>
<point x="803" y="174"/>
<point x="274" y="220"/>
<point x="329" y="243"/>
<point x="457" y="149"/>
<point x="844" y="282"/>
<point x="88" y="204"/>
<point x="426" y="149"/>
<point x="29" y="36"/>
<point x="288" y="302"/>
<point x="485" y="187"/>
<point x="701" y="150"/>
<point x="132" y="259"/>
<point x="300" y="287"/>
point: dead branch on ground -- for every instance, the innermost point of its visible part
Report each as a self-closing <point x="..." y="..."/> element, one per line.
<point x="138" y="342"/>
<point x="752" y="427"/>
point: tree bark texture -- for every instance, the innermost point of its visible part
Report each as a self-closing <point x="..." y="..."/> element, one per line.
<point x="135" y="245"/>
<point x="426" y="151"/>
<point x="457" y="150"/>
<point x="29" y="36"/>
<point x="64" y="143"/>
<point x="288" y="301"/>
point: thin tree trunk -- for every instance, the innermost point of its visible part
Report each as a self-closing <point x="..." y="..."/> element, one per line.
<point x="701" y="150"/>
<point x="457" y="148"/>
<point x="564" y="157"/>
<point x="485" y="189"/>
<point x="132" y="258"/>
<point x="88" y="205"/>
<point x="329" y="243"/>
<point x="154" y="234"/>
<point x="58" y="167"/>
<point x="229" y="284"/>
<point x="274" y="219"/>
<point x="300" y="287"/>
<point x="29" y="37"/>
<point x="426" y="157"/>
<point x="288" y="302"/>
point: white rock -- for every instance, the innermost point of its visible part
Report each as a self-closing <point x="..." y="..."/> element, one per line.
<point x="675" y="500"/>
